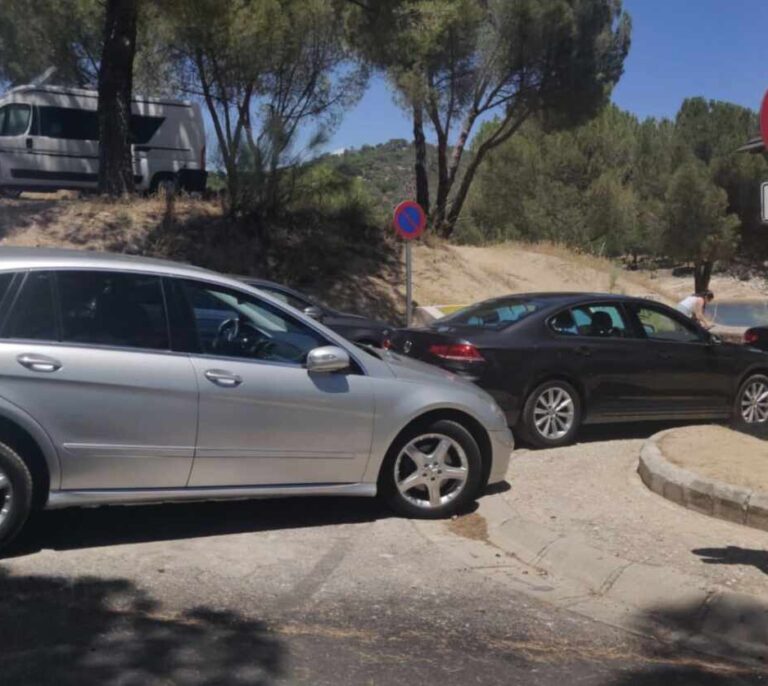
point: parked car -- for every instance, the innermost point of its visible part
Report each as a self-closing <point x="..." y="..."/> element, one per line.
<point x="732" y="317"/>
<point x="555" y="361"/>
<point x="127" y="380"/>
<point x="49" y="140"/>
<point x="353" y="327"/>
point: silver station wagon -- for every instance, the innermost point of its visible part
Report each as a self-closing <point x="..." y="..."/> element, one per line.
<point x="128" y="380"/>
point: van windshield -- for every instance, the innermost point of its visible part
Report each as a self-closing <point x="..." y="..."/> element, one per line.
<point x="14" y="120"/>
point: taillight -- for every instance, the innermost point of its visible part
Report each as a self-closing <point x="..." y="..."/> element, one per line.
<point x="386" y="343"/>
<point x="751" y="337"/>
<point x="457" y="352"/>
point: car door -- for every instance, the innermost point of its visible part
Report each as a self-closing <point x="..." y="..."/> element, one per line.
<point x="264" y="419"/>
<point x="686" y="377"/>
<point x="86" y="353"/>
<point x="599" y="343"/>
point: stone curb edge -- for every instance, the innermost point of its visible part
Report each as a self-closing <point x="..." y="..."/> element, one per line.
<point x="710" y="497"/>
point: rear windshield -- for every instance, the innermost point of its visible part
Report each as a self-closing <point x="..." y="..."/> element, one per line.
<point x="493" y="314"/>
<point x="741" y="313"/>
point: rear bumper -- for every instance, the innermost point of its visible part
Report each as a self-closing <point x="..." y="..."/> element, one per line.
<point x="502" y="445"/>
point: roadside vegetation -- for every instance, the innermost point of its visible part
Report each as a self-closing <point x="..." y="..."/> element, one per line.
<point x="515" y="97"/>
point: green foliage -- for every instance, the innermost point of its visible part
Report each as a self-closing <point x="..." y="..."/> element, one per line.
<point x="616" y="185"/>
<point x="453" y="61"/>
<point x="699" y="228"/>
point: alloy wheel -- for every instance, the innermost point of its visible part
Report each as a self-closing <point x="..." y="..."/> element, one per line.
<point x="754" y="403"/>
<point x="6" y="497"/>
<point x="554" y="413"/>
<point x="431" y="471"/>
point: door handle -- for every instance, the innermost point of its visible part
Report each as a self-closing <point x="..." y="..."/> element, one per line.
<point x="665" y="356"/>
<point x="30" y="143"/>
<point x="223" y="378"/>
<point x="584" y="350"/>
<point x="39" y="363"/>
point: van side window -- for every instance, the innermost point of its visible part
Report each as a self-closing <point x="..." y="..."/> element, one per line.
<point x="143" y="127"/>
<point x="33" y="316"/>
<point x="14" y="120"/>
<point x="70" y="123"/>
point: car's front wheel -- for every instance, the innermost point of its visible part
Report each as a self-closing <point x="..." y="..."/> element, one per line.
<point x="15" y="494"/>
<point x="750" y="409"/>
<point x="432" y="471"/>
<point x="551" y="415"/>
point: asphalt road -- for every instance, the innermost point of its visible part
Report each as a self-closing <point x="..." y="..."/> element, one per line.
<point x="304" y="591"/>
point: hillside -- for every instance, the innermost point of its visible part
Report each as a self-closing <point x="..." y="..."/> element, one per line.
<point x="365" y="276"/>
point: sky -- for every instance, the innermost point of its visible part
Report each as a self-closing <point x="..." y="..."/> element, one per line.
<point x="717" y="49"/>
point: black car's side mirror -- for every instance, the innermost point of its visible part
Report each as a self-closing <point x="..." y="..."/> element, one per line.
<point x="714" y="339"/>
<point x="314" y="312"/>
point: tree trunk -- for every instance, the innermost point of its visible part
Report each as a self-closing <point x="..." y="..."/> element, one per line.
<point x="420" y="166"/>
<point x="115" y="88"/>
<point x="702" y="273"/>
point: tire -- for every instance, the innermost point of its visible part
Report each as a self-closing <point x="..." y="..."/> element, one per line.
<point x="564" y="424"/>
<point x="435" y="495"/>
<point x="750" y="414"/>
<point x="15" y="494"/>
<point x="164" y="185"/>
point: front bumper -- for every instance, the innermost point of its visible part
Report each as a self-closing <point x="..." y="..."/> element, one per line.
<point x="502" y="445"/>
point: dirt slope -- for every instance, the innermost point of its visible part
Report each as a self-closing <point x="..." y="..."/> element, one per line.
<point x="362" y="280"/>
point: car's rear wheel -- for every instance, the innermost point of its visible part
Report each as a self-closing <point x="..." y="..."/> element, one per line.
<point x="750" y="409"/>
<point x="432" y="471"/>
<point x="551" y="415"/>
<point x="15" y="494"/>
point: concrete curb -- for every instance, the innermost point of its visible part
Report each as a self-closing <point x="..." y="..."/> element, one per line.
<point x="707" y="496"/>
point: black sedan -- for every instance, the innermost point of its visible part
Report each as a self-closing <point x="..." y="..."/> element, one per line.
<point x="353" y="327"/>
<point x="554" y="361"/>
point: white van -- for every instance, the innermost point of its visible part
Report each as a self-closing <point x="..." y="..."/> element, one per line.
<point x="49" y="140"/>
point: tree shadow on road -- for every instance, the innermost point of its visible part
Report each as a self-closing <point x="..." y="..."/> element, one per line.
<point x="734" y="555"/>
<point x="720" y="642"/>
<point x="99" y="631"/>
<point x="89" y="528"/>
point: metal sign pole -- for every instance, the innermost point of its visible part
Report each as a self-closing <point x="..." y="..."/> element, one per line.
<point x="408" y="284"/>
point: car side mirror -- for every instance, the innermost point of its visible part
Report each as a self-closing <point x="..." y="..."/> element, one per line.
<point x="313" y="311"/>
<point x="714" y="339"/>
<point x="327" y="359"/>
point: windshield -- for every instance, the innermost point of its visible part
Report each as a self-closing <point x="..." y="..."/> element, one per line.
<point x="493" y="314"/>
<point x="741" y="313"/>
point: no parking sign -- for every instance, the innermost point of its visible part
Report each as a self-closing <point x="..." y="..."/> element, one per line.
<point x="409" y="222"/>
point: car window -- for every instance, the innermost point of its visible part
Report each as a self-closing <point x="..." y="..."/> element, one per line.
<point x="33" y="315"/>
<point x="740" y="313"/>
<point x="493" y="314"/>
<point x="660" y="326"/>
<point x="235" y="324"/>
<point x="14" y="120"/>
<point x="113" y="308"/>
<point x="597" y="321"/>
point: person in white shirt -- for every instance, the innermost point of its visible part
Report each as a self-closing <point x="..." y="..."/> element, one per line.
<point x="694" y="305"/>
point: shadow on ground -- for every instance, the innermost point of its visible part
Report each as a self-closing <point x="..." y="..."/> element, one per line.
<point x="89" y="528"/>
<point x="98" y="631"/>
<point x="729" y="626"/>
<point x="734" y="555"/>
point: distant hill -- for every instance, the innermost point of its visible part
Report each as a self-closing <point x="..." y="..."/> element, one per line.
<point x="386" y="169"/>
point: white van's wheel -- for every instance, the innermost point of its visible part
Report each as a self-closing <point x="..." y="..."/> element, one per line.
<point x="164" y="185"/>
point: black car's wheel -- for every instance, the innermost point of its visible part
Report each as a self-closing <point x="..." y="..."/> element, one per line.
<point x="431" y="471"/>
<point x="551" y="415"/>
<point x="750" y="409"/>
<point x="15" y="494"/>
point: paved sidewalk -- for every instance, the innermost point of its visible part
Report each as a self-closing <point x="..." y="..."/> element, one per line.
<point x="579" y="529"/>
